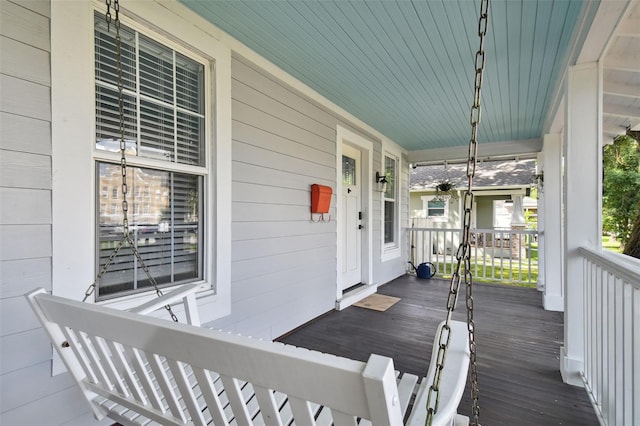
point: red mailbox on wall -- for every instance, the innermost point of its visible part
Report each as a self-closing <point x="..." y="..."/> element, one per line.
<point x="320" y="200"/>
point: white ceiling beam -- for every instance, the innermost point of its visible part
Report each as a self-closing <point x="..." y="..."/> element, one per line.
<point x="630" y="112"/>
<point x="620" y="89"/>
<point x="597" y="35"/>
<point x="608" y="129"/>
<point x="521" y="149"/>
<point x="629" y="63"/>
<point x="630" y="27"/>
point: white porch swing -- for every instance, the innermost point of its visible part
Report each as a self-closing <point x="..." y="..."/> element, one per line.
<point x="141" y="370"/>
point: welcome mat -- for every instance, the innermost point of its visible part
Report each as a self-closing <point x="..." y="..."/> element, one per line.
<point x="377" y="302"/>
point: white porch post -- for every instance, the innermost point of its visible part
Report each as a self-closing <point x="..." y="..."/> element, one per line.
<point x="541" y="225"/>
<point x="553" y="298"/>
<point x="583" y="203"/>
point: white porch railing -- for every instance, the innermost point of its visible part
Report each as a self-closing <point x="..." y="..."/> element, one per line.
<point x="496" y="255"/>
<point x="612" y="336"/>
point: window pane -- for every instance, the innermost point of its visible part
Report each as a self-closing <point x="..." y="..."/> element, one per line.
<point x="108" y="121"/>
<point x="189" y="83"/>
<point x="389" y="216"/>
<point x="156" y="70"/>
<point x="105" y="54"/>
<point x="156" y="131"/>
<point x="348" y="170"/>
<point x="390" y="173"/>
<point x="190" y="139"/>
<point x="436" y="207"/>
<point x="164" y="222"/>
<point x="170" y="103"/>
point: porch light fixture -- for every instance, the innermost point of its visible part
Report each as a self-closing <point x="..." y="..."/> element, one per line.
<point x="538" y="179"/>
<point x="381" y="180"/>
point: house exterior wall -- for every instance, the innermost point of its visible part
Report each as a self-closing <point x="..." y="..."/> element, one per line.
<point x="282" y="262"/>
<point x="27" y="390"/>
<point x="283" y="266"/>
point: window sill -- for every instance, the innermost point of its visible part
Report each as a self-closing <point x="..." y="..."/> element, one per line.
<point x="390" y="253"/>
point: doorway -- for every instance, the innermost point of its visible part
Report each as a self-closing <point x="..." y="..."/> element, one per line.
<point x="354" y="221"/>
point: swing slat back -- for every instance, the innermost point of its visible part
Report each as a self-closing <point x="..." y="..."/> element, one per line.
<point x="175" y="373"/>
<point x="141" y="370"/>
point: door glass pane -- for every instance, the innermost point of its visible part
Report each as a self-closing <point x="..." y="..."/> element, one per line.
<point x="348" y="170"/>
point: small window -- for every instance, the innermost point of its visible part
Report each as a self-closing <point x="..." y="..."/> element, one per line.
<point x="390" y="201"/>
<point x="436" y="208"/>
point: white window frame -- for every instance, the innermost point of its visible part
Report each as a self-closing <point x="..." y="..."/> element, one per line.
<point x="391" y="250"/>
<point x="425" y="206"/>
<point x="73" y="144"/>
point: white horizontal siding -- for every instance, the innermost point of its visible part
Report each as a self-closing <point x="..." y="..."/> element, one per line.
<point x="21" y="275"/>
<point x="24" y="241"/>
<point x="25" y="134"/>
<point x="28" y="393"/>
<point x="16" y="316"/>
<point x="20" y="23"/>
<point x="25" y="170"/>
<point x="283" y="265"/>
<point x="243" y="269"/>
<point x="55" y="409"/>
<point x="24" y="350"/>
<point x="23" y="61"/>
<point x="36" y="382"/>
<point x="24" y="206"/>
<point x="25" y="98"/>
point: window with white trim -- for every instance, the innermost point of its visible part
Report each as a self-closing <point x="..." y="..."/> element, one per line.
<point x="165" y="140"/>
<point x="436" y="208"/>
<point x="391" y="201"/>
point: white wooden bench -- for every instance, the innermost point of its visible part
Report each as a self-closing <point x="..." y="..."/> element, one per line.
<point x="140" y="370"/>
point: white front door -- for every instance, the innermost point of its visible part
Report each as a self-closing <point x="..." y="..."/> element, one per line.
<point x="351" y="218"/>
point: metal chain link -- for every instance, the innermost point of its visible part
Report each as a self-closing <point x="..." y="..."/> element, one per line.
<point x="463" y="254"/>
<point x="126" y="237"/>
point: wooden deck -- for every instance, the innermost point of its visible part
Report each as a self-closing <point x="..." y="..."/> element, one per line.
<point x="518" y="347"/>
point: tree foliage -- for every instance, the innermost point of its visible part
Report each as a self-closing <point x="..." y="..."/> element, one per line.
<point x="621" y="187"/>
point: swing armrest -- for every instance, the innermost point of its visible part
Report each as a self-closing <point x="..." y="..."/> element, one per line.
<point x="186" y="294"/>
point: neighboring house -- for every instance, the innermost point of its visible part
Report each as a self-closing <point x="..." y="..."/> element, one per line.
<point x="232" y="110"/>
<point x="496" y="185"/>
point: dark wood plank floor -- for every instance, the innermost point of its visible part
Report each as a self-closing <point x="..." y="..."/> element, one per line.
<point x="518" y="347"/>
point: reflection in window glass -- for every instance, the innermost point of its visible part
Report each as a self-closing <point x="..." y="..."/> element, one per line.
<point x="348" y="170"/>
<point x="436" y="208"/>
<point x="165" y="227"/>
<point x="390" y="196"/>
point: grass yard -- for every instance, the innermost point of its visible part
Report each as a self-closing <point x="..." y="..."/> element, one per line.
<point x="610" y="243"/>
<point x="506" y="274"/>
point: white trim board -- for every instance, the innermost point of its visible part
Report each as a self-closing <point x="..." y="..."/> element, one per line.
<point x="344" y="135"/>
<point x="73" y="127"/>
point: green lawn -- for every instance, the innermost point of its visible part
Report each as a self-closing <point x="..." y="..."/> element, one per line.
<point x="504" y="274"/>
<point x="609" y="243"/>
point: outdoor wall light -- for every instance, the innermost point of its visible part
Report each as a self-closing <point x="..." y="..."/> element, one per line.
<point x="381" y="180"/>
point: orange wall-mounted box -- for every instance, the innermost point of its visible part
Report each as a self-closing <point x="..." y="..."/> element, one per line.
<point x="320" y="198"/>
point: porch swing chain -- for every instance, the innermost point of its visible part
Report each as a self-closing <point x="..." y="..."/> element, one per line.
<point x="463" y="253"/>
<point x="126" y="237"/>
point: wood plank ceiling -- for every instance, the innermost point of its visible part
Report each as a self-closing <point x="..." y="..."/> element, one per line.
<point x="406" y="67"/>
<point x="621" y="79"/>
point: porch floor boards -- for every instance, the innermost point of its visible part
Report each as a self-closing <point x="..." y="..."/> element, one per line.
<point x="518" y="347"/>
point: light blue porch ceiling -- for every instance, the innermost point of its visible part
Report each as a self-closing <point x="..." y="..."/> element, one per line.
<point x="406" y="67"/>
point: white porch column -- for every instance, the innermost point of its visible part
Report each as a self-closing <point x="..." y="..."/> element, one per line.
<point x="583" y="203"/>
<point x="553" y="298"/>
<point x="541" y="224"/>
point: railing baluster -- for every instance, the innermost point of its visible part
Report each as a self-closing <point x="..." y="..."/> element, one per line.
<point x="612" y="335"/>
